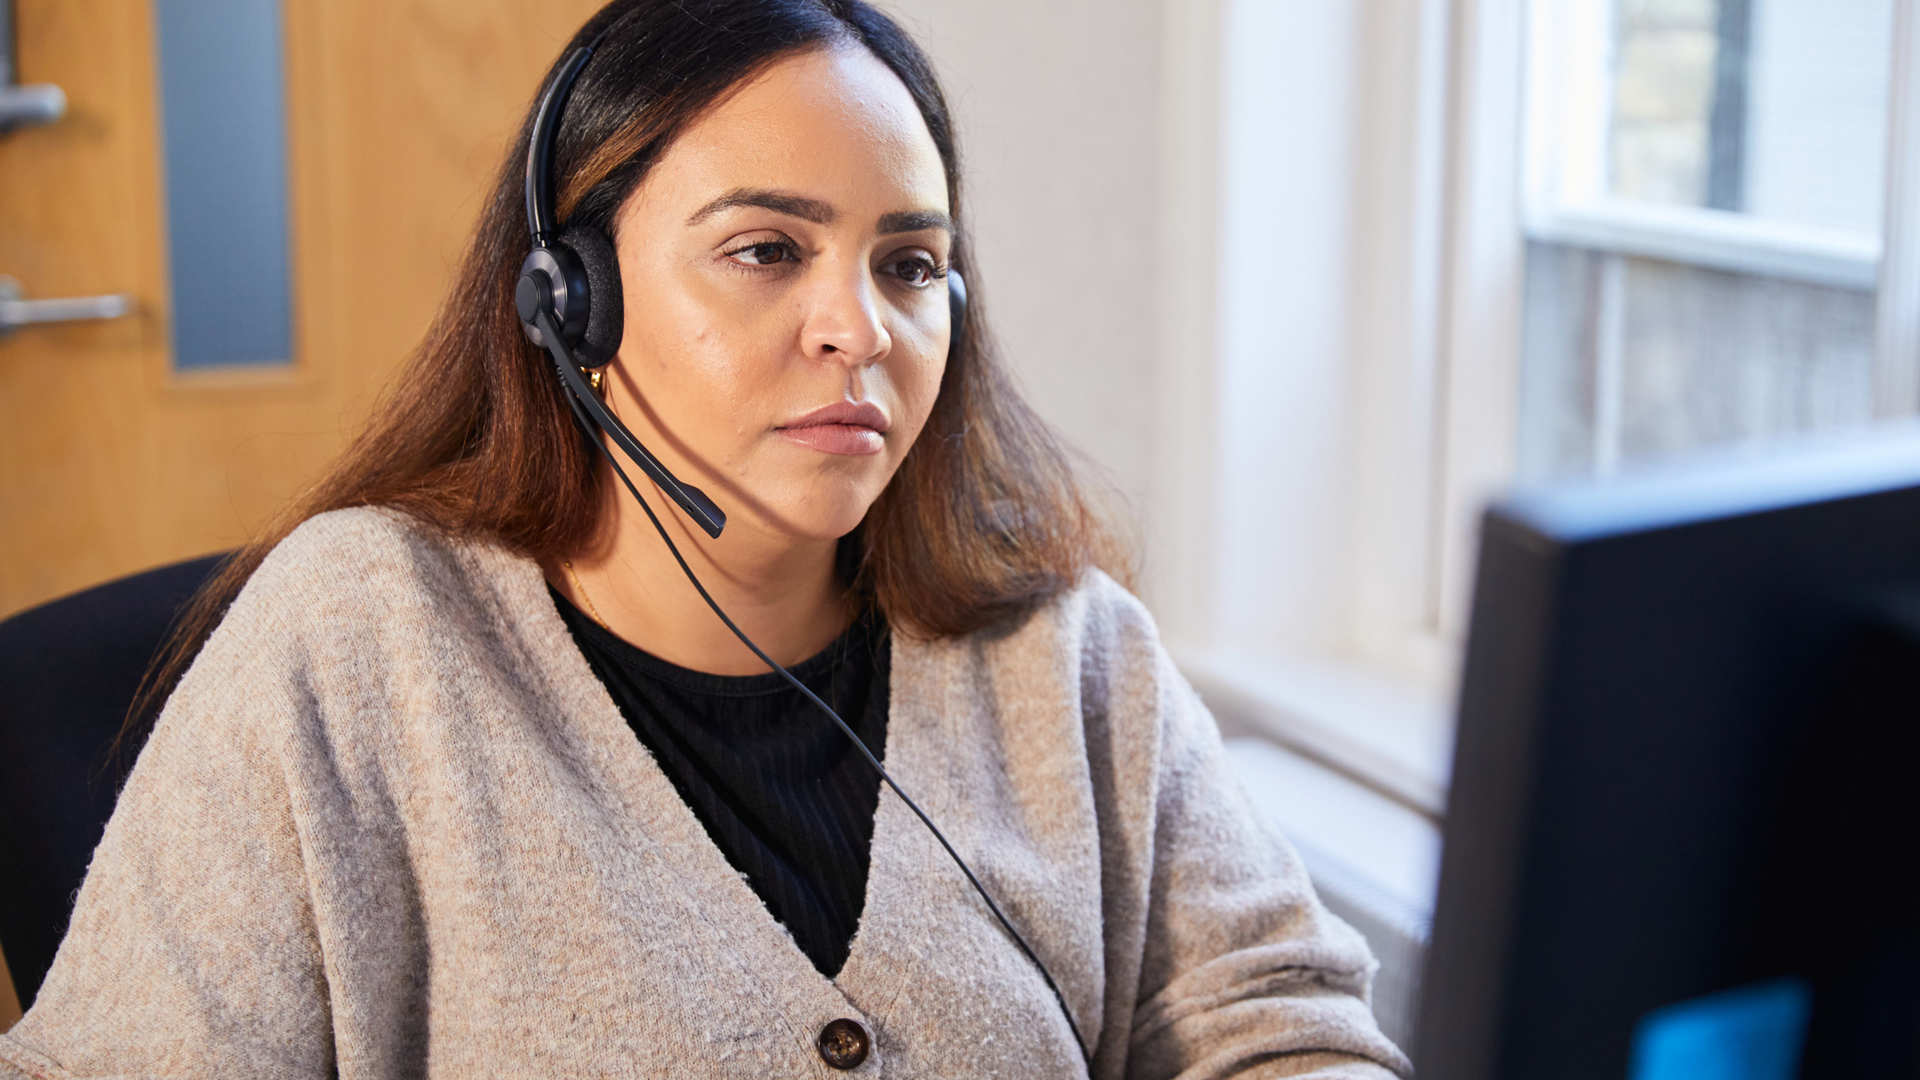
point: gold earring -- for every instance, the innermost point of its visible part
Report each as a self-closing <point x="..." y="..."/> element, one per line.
<point x="594" y="376"/>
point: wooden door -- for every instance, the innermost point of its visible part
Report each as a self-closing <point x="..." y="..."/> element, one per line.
<point x="398" y="112"/>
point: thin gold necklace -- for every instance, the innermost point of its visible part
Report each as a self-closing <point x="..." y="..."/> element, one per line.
<point x="582" y="590"/>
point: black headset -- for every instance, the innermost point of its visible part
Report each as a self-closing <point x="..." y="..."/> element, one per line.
<point x="569" y="300"/>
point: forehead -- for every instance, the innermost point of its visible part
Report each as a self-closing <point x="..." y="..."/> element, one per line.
<point x="833" y="124"/>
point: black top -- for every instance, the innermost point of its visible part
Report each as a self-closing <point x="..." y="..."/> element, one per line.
<point x="778" y="786"/>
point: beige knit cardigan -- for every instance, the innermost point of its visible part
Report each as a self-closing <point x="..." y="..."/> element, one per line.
<point x="391" y="824"/>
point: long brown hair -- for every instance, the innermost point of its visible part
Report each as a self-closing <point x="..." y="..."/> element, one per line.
<point x="984" y="518"/>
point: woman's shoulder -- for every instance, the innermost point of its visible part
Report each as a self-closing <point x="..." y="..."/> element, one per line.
<point x="332" y="542"/>
<point x="1100" y="613"/>
<point x="345" y="602"/>
<point x="1085" y="633"/>
<point x="350" y="544"/>
<point x="354" y="566"/>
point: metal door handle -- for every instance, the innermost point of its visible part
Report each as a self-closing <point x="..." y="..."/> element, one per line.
<point x="39" y="103"/>
<point x="15" y="312"/>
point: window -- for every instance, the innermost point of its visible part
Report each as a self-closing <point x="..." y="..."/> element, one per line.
<point x="1702" y="219"/>
<point x="224" y="149"/>
<point x="1702" y="254"/>
<point x="1509" y="240"/>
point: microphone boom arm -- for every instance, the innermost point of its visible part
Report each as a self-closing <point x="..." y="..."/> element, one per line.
<point x="691" y="499"/>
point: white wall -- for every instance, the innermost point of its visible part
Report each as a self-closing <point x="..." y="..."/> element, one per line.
<point x="1285" y="294"/>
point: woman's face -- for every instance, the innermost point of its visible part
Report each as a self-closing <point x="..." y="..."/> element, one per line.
<point x="780" y="257"/>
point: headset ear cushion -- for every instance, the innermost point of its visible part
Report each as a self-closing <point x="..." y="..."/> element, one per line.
<point x="956" y="309"/>
<point x="606" y="310"/>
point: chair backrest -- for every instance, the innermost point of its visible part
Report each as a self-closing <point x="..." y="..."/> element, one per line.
<point x="68" y="670"/>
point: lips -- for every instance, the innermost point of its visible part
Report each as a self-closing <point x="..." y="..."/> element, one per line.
<point x="844" y="427"/>
<point x="863" y="414"/>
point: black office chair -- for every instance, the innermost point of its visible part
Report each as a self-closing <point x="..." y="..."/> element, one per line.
<point x="68" y="670"/>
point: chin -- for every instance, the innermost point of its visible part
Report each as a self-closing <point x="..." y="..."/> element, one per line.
<point x="827" y="517"/>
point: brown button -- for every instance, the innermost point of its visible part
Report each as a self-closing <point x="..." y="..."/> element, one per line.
<point x="843" y="1043"/>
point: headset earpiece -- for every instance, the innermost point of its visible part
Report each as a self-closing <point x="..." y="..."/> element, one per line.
<point x="606" y="310"/>
<point x="956" y="308"/>
<point x="581" y="274"/>
<point x="552" y="274"/>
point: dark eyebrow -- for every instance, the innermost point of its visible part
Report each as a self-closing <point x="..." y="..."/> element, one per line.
<point x="914" y="221"/>
<point x="820" y="213"/>
<point x="780" y="202"/>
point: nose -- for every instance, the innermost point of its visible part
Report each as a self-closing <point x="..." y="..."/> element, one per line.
<point x="844" y="320"/>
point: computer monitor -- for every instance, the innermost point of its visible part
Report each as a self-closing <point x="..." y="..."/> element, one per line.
<point x="1680" y="833"/>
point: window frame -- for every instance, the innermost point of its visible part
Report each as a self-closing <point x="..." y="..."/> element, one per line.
<point x="1485" y="271"/>
<point x="1441" y="222"/>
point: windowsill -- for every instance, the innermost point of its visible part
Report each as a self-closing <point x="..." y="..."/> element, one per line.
<point x="1346" y="834"/>
<point x="1716" y="239"/>
<point x="1392" y="736"/>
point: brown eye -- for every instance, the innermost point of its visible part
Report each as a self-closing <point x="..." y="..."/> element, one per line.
<point x="918" y="272"/>
<point x="765" y="253"/>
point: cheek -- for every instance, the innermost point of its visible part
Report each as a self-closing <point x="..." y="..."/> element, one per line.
<point x="711" y="361"/>
<point x="708" y="355"/>
<point x="919" y="387"/>
<point x="720" y="383"/>
<point x="935" y="368"/>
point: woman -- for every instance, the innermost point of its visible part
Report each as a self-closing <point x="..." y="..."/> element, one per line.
<point x="468" y="779"/>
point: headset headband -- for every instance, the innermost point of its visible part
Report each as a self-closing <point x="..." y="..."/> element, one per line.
<point x="540" y="144"/>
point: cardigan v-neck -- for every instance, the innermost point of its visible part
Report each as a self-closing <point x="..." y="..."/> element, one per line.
<point x="778" y="786"/>
<point x="390" y="823"/>
<point x="751" y="940"/>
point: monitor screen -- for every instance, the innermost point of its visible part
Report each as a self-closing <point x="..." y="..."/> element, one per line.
<point x="1680" y="821"/>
